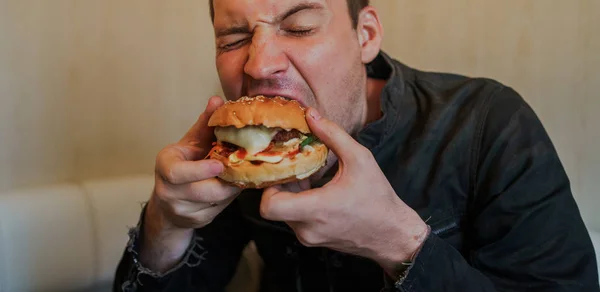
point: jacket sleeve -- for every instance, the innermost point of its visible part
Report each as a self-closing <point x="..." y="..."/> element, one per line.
<point x="208" y="264"/>
<point x="523" y="231"/>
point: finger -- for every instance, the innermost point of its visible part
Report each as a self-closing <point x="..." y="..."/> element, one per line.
<point x="183" y="172"/>
<point x="208" y="214"/>
<point x="174" y="168"/>
<point x="190" y="198"/>
<point x="199" y="215"/>
<point x="211" y="191"/>
<point x="295" y="186"/>
<point x="332" y="135"/>
<point x="200" y="133"/>
<point x="190" y="152"/>
<point x="279" y="205"/>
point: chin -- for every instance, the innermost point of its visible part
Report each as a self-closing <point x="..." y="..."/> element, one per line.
<point x="265" y="141"/>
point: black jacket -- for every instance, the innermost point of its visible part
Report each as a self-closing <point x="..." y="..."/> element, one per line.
<point x="470" y="156"/>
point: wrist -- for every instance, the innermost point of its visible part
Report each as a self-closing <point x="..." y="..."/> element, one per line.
<point x="397" y="268"/>
<point x="405" y="240"/>
<point x="156" y="225"/>
<point x="162" y="245"/>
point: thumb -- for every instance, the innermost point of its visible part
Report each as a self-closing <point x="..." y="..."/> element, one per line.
<point x="200" y="133"/>
<point x="333" y="136"/>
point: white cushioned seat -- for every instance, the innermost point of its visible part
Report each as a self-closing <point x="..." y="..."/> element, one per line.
<point x="46" y="240"/>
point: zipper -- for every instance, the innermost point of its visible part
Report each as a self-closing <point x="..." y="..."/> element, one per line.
<point x="445" y="228"/>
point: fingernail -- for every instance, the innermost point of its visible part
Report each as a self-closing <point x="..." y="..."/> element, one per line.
<point x="314" y="114"/>
<point x="210" y="101"/>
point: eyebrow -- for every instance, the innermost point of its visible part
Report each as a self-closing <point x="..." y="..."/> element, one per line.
<point x="231" y="30"/>
<point x="299" y="7"/>
<point x="239" y="29"/>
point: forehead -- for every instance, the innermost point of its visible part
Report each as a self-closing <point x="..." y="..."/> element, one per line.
<point x="225" y="10"/>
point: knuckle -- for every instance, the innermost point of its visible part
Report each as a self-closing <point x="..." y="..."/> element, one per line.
<point x="202" y="219"/>
<point x="265" y="208"/>
<point x="160" y="190"/>
<point x="170" y="175"/>
<point x="163" y="153"/>
<point x="163" y="166"/>
<point x="176" y="210"/>
<point x="206" y="221"/>
<point x="307" y="238"/>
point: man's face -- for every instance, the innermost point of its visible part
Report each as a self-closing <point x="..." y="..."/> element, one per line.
<point x="305" y="50"/>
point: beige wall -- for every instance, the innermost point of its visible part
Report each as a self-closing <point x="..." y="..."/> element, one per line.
<point x="96" y="88"/>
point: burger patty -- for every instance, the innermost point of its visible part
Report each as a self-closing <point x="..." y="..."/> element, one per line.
<point x="283" y="136"/>
<point x="228" y="149"/>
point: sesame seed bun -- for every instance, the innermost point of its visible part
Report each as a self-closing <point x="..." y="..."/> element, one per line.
<point x="276" y="112"/>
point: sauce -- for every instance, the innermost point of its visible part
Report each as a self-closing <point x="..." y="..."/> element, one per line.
<point x="241" y="153"/>
<point x="270" y="153"/>
<point x="225" y="149"/>
<point x="292" y="154"/>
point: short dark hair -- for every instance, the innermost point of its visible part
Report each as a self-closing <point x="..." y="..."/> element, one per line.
<point x="354" y="8"/>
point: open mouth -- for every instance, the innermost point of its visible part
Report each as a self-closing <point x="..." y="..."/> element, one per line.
<point x="286" y="97"/>
<point x="274" y="95"/>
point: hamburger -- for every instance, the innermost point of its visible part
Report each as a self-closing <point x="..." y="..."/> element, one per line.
<point x="264" y="141"/>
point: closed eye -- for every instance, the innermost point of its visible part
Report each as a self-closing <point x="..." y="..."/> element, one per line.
<point x="233" y="45"/>
<point x="300" y="31"/>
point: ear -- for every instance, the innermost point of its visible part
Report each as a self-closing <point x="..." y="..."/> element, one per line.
<point x="370" y="33"/>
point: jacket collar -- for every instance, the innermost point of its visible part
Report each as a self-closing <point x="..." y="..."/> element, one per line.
<point x="374" y="134"/>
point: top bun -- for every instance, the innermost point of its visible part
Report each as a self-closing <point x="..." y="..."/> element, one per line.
<point x="276" y="112"/>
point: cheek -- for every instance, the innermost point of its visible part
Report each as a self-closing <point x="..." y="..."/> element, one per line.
<point x="332" y="74"/>
<point x="321" y="66"/>
<point x="318" y="58"/>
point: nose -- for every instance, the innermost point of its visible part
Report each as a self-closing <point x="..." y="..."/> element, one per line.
<point x="265" y="57"/>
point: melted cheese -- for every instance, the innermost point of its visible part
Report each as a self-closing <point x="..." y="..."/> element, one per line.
<point x="252" y="138"/>
<point x="233" y="158"/>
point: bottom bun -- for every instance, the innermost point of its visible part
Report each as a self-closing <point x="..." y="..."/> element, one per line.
<point x="248" y="175"/>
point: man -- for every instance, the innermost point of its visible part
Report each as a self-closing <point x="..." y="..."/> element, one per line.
<point x="436" y="182"/>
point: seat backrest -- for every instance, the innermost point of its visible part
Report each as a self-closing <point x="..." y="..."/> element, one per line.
<point x="116" y="206"/>
<point x="67" y="237"/>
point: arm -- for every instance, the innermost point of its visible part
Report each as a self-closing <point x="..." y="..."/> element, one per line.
<point x="208" y="263"/>
<point x="190" y="235"/>
<point x="524" y="229"/>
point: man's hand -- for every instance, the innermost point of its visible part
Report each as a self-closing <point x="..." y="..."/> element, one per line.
<point x="357" y="212"/>
<point x="186" y="195"/>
